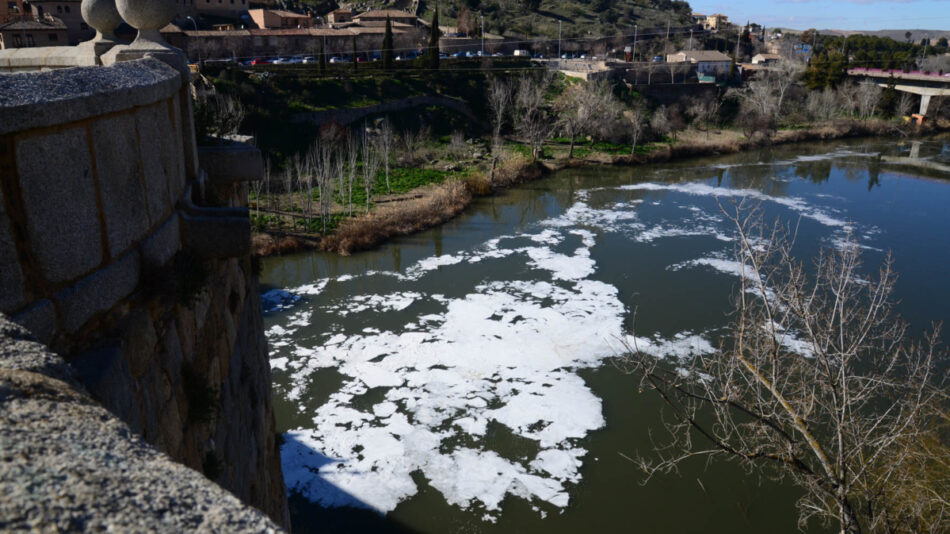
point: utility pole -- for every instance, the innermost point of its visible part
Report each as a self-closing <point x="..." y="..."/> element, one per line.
<point x="559" y="39"/>
<point x="690" y="39"/>
<point x="483" y="32"/>
<point x="667" y="31"/>
<point x="633" y="56"/>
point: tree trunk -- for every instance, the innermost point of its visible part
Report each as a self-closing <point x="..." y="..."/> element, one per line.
<point x="570" y="155"/>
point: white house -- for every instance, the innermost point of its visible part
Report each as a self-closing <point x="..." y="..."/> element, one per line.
<point x="708" y="62"/>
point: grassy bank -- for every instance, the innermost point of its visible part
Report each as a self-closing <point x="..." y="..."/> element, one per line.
<point x="437" y="201"/>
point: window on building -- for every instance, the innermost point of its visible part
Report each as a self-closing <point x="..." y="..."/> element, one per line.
<point x="53" y="37"/>
<point x="29" y="40"/>
<point x="17" y="41"/>
<point x="66" y="8"/>
<point x="59" y="9"/>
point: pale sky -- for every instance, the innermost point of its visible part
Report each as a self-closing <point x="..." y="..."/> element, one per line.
<point x="833" y="14"/>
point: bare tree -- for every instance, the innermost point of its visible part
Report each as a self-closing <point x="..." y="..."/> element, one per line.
<point x="868" y="97"/>
<point x="410" y="142"/>
<point x="703" y="111"/>
<point x="585" y="109"/>
<point x="822" y="105"/>
<point x="817" y="385"/>
<point x="385" y="142"/>
<point x="848" y="98"/>
<point x="532" y="120"/>
<point x="667" y="120"/>
<point x="904" y="105"/>
<point x="499" y="102"/>
<point x="324" y="164"/>
<point x="370" y="169"/>
<point x="637" y="120"/>
<point x="352" y="163"/>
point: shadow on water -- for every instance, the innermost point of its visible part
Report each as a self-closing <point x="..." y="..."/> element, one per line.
<point x="354" y="516"/>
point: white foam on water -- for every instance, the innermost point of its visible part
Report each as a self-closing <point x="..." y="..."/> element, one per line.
<point x="795" y="204"/>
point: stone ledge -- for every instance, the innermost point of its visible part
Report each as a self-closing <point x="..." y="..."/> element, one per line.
<point x="40" y="99"/>
<point x="71" y="465"/>
<point x="47" y="57"/>
<point x="231" y="162"/>
<point x="98" y="292"/>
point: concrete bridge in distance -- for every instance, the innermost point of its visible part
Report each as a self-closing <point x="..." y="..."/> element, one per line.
<point x="927" y="85"/>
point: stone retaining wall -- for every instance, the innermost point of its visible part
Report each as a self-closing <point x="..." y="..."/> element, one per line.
<point x="350" y="115"/>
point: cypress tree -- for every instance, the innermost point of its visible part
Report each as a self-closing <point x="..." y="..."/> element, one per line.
<point x="388" y="46"/>
<point x="433" y="53"/>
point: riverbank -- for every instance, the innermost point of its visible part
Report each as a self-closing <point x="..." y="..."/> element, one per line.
<point x="433" y="205"/>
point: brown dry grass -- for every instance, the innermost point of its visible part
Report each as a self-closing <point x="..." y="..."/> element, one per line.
<point x="437" y="205"/>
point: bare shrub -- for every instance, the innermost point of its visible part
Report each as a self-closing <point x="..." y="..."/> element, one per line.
<point x="817" y="385"/>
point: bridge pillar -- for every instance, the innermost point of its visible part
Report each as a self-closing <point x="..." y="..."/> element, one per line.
<point x="924" y="104"/>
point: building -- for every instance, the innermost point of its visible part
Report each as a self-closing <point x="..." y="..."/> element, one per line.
<point x="381" y="15"/>
<point x="12" y="10"/>
<point x="716" y="22"/>
<point x="340" y="16"/>
<point x="28" y="33"/>
<point x="766" y="59"/>
<point x="278" y="19"/>
<point x="69" y="12"/>
<point x="708" y="62"/>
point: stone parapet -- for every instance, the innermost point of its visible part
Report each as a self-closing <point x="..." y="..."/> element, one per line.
<point x="80" y="468"/>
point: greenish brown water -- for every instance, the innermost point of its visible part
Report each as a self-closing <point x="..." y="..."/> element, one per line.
<point x="458" y="380"/>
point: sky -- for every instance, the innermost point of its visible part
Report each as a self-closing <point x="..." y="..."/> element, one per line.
<point x="833" y="14"/>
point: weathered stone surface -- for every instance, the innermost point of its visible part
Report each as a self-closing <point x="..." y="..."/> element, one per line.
<point x="20" y="351"/>
<point x="230" y="162"/>
<point x="98" y="292"/>
<point x="216" y="236"/>
<point x="120" y="181"/>
<point x="162" y="245"/>
<point x="60" y="202"/>
<point x="139" y="341"/>
<point x="105" y="374"/>
<point x="11" y="276"/>
<point x="38" y="99"/>
<point x="158" y="158"/>
<point x="40" y="319"/>
<point x="70" y="465"/>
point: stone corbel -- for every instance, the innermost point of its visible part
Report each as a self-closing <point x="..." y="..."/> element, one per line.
<point x="214" y="233"/>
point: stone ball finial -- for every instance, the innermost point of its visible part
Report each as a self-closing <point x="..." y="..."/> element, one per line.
<point x="103" y="16"/>
<point x="147" y="16"/>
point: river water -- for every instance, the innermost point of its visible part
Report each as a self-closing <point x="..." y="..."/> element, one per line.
<point x="459" y="380"/>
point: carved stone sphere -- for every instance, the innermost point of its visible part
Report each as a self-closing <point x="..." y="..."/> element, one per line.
<point x="101" y="15"/>
<point x="147" y="14"/>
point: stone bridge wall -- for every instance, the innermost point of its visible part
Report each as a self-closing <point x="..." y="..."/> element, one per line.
<point x="350" y="115"/>
<point x="108" y="258"/>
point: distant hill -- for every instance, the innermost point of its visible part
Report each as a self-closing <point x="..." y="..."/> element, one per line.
<point x="897" y="35"/>
<point x="539" y="18"/>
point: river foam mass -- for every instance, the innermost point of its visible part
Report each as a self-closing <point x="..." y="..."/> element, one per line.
<point x="503" y="354"/>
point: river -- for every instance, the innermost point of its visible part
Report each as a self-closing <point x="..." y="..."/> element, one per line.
<point x="460" y="380"/>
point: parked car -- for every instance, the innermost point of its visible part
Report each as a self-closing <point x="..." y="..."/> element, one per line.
<point x="309" y="59"/>
<point x="498" y="54"/>
<point x="281" y="61"/>
<point x="658" y="59"/>
<point x="296" y="60"/>
<point x="336" y="59"/>
<point x="443" y="55"/>
<point x="261" y="61"/>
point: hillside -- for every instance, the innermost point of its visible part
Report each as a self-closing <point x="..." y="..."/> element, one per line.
<point x="539" y="18"/>
<point x="897" y="35"/>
